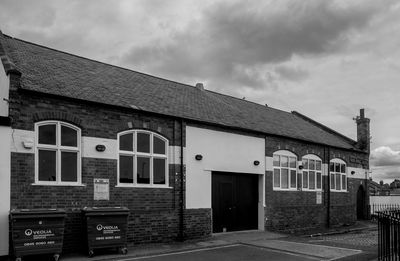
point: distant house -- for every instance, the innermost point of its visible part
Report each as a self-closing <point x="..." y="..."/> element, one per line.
<point x="186" y="161"/>
<point x="378" y="189"/>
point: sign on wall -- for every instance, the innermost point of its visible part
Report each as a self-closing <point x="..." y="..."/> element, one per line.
<point x="319" y="197"/>
<point x="101" y="189"/>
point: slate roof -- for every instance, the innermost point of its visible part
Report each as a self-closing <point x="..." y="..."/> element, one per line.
<point x="51" y="71"/>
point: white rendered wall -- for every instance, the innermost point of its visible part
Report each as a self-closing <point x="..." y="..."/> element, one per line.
<point x="4" y="90"/>
<point x="5" y="154"/>
<point x="221" y="151"/>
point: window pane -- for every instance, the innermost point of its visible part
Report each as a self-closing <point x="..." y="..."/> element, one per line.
<point x="47" y="165"/>
<point x="69" y="166"/>
<point x="312" y="164"/>
<point x="143" y="142"/>
<point x="305" y="179"/>
<point x="344" y="182"/>
<point x="337" y="181"/>
<point x="285" y="178"/>
<point x="69" y="137"/>
<point x="158" y="145"/>
<point x="126" y="142"/>
<point x="312" y="179"/>
<point x="284" y="161"/>
<point x="292" y="162"/>
<point x="332" y="166"/>
<point x="293" y="179"/>
<point x="332" y="181"/>
<point x="318" y="165"/>
<point x="337" y="167"/>
<point x="277" y="178"/>
<point x="125" y="169"/>
<point x="343" y="168"/>
<point x="319" y="180"/>
<point x="47" y="134"/>
<point x="159" y="171"/>
<point x="143" y="170"/>
<point x="305" y="163"/>
<point x="276" y="160"/>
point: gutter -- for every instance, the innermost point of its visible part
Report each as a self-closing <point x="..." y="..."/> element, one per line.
<point x="181" y="202"/>
<point x="328" y="210"/>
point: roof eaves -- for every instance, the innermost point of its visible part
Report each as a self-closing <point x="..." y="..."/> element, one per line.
<point x="9" y="66"/>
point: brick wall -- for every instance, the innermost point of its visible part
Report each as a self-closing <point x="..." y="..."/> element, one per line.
<point x="198" y="223"/>
<point x="154" y="212"/>
<point x="298" y="210"/>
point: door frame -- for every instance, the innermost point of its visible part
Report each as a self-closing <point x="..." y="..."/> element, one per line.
<point x="261" y="197"/>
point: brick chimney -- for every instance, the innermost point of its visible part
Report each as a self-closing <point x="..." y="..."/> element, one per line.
<point x="363" y="132"/>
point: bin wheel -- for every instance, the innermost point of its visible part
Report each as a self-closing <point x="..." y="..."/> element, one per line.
<point x="124" y="250"/>
<point x="56" y="257"/>
<point x="91" y="253"/>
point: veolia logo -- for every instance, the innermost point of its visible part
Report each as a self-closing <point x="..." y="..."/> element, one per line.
<point x="100" y="227"/>
<point x="28" y="232"/>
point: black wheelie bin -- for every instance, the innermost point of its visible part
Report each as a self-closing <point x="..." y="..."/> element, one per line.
<point x="37" y="231"/>
<point x="106" y="228"/>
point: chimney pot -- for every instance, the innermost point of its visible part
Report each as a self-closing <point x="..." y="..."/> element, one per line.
<point x="200" y="86"/>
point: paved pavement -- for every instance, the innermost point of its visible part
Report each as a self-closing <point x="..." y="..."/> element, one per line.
<point x="358" y="243"/>
<point x="236" y="252"/>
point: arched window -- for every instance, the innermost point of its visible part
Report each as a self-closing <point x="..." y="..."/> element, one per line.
<point x="143" y="159"/>
<point x="285" y="170"/>
<point x="311" y="172"/>
<point x="338" y="175"/>
<point x="57" y="153"/>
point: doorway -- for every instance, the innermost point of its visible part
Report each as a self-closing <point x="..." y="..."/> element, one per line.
<point x="234" y="201"/>
<point x="360" y="202"/>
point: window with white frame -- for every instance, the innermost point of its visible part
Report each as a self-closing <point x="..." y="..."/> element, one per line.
<point x="57" y="153"/>
<point x="312" y="173"/>
<point x="142" y="159"/>
<point x="285" y="170"/>
<point x="338" y="175"/>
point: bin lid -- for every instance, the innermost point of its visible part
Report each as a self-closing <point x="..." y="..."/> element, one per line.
<point x="37" y="212"/>
<point x="105" y="210"/>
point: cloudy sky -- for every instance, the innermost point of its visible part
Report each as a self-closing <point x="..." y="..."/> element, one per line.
<point x="325" y="59"/>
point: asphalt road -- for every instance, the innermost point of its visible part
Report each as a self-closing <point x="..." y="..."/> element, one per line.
<point x="227" y="253"/>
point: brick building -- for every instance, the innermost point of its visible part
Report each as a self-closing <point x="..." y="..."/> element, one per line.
<point x="186" y="161"/>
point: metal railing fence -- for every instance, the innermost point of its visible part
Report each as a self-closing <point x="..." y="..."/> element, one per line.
<point x="388" y="235"/>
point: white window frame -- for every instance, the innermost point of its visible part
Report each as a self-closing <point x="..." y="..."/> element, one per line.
<point x="150" y="155"/>
<point x="288" y="154"/>
<point x="309" y="157"/>
<point x="337" y="161"/>
<point x="58" y="148"/>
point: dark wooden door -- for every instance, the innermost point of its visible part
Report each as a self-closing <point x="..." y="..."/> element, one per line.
<point x="234" y="201"/>
<point x="360" y="202"/>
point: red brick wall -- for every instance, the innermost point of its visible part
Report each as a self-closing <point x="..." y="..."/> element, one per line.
<point x="298" y="210"/>
<point x="154" y="212"/>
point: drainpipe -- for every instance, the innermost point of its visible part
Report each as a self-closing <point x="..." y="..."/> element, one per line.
<point x="328" y="211"/>
<point x="181" y="203"/>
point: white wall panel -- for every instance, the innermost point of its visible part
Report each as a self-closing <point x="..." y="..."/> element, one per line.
<point x="221" y="151"/>
<point x="5" y="175"/>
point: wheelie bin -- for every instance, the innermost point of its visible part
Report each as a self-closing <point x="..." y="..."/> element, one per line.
<point x="106" y="228"/>
<point x="37" y="231"/>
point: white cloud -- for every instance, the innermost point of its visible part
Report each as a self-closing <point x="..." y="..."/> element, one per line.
<point x="325" y="59"/>
<point x="385" y="156"/>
